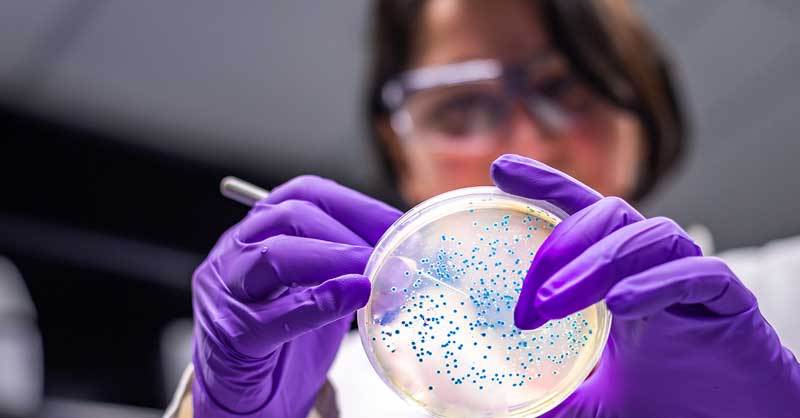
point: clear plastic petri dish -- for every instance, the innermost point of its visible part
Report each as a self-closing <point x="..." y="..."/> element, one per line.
<point x="439" y="327"/>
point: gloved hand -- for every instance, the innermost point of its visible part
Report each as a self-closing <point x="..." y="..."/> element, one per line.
<point x="276" y="295"/>
<point x="687" y="338"/>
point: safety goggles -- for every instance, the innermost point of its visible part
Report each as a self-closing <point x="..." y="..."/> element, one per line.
<point x="472" y="103"/>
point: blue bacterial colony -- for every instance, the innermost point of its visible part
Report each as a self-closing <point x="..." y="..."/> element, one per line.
<point x="442" y="313"/>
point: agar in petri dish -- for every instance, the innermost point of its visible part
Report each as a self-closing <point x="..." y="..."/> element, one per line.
<point x="439" y="326"/>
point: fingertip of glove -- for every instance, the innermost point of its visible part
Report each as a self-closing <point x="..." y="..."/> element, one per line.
<point x="503" y="172"/>
<point x="520" y="318"/>
<point x="502" y="165"/>
<point x="513" y="159"/>
<point x="526" y="318"/>
<point x="350" y="291"/>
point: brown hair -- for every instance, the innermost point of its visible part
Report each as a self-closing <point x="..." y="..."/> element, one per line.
<point x="606" y="43"/>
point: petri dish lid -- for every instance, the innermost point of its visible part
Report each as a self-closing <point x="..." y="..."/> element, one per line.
<point x="439" y="329"/>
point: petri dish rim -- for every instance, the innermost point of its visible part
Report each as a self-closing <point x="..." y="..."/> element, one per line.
<point x="408" y="224"/>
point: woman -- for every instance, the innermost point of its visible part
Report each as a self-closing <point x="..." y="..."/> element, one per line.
<point x="577" y="85"/>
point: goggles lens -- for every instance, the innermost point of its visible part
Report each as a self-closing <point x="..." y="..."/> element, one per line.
<point x="467" y="109"/>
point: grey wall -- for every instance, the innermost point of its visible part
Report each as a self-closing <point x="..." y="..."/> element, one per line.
<point x="740" y="61"/>
<point x="275" y="86"/>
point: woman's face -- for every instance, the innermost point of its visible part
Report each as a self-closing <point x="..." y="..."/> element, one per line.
<point x="602" y="147"/>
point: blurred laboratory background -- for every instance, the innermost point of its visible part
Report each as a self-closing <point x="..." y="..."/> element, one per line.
<point x="120" y="117"/>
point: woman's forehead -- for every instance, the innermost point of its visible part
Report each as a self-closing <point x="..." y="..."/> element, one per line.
<point x="458" y="30"/>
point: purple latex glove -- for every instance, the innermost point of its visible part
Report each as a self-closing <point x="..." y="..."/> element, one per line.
<point x="276" y="295"/>
<point x="687" y="338"/>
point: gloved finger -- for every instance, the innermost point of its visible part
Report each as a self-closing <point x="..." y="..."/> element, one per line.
<point x="367" y="217"/>
<point x="569" y="239"/>
<point x="265" y="270"/>
<point x="391" y="292"/>
<point x="294" y="217"/>
<point x="529" y="178"/>
<point x="257" y="329"/>
<point x="690" y="280"/>
<point x="625" y="252"/>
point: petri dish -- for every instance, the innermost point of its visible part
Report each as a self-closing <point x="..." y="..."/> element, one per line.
<point x="439" y="327"/>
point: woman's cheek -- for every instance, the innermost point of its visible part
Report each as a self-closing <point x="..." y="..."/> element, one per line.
<point x="463" y="170"/>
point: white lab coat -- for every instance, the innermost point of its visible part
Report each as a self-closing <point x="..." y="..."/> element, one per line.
<point x="21" y="363"/>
